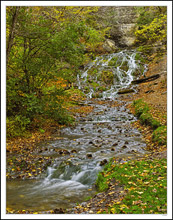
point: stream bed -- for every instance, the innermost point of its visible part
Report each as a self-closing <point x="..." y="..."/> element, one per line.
<point x="104" y="133"/>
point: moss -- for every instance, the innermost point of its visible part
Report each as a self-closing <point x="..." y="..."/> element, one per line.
<point x="107" y="77"/>
<point x="94" y="85"/>
<point x="93" y="71"/>
<point x="155" y="124"/>
<point x="101" y="89"/>
<point x="160" y="135"/>
<point x="145" y="118"/>
<point x="113" y="61"/>
<point x="124" y="66"/>
<point x="140" y="107"/>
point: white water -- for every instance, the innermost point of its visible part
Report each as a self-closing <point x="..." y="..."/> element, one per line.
<point x="122" y="79"/>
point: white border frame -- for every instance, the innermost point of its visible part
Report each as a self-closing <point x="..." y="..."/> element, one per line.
<point x="3" y="107"/>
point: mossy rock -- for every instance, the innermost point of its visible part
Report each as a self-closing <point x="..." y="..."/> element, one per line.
<point x="86" y="89"/>
<point x="93" y="71"/>
<point x="124" y="66"/>
<point x="106" y="76"/>
<point x="140" y="107"/>
<point x="113" y="61"/>
<point x="94" y="85"/>
<point x="160" y="135"/>
<point x="98" y="95"/>
<point x="146" y="118"/>
<point x="102" y="88"/>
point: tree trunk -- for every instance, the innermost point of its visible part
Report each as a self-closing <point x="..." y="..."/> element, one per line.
<point x="11" y="34"/>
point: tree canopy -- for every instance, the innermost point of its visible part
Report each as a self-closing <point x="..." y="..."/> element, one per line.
<point x="44" y="44"/>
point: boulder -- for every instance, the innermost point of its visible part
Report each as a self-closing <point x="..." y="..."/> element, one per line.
<point x="103" y="162"/>
<point x="109" y="45"/>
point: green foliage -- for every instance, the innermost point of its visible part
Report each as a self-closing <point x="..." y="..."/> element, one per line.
<point x="151" y="29"/>
<point x="160" y="135"/>
<point x="140" y="107"/>
<point x="16" y="126"/>
<point x="155" y="31"/>
<point x="44" y="44"/>
<point x="145" y="182"/>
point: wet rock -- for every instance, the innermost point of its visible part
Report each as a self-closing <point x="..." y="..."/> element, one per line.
<point x="90" y="119"/>
<point x="59" y="211"/>
<point x="134" y="151"/>
<point x="97" y="145"/>
<point x="64" y="152"/>
<point x="82" y="119"/>
<point x="124" y="146"/>
<point x="103" y="162"/>
<point x="89" y="155"/>
<point x="109" y="45"/>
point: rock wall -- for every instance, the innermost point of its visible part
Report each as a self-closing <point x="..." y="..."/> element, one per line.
<point x="121" y="20"/>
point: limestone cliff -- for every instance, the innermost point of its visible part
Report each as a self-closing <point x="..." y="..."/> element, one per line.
<point x="121" y="20"/>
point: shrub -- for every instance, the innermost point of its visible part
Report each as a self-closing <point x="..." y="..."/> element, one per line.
<point x="17" y="126"/>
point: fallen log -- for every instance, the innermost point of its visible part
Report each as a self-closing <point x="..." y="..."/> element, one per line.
<point x="146" y="79"/>
<point x="124" y="91"/>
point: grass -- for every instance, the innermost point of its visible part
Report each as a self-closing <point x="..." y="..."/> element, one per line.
<point x="142" y="112"/>
<point x="159" y="134"/>
<point x="145" y="182"/>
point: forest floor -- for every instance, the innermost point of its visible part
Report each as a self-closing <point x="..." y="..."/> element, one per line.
<point x="154" y="93"/>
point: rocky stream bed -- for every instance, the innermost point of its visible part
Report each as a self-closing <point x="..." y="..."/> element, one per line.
<point x="63" y="171"/>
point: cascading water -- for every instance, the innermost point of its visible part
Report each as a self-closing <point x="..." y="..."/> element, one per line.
<point x="122" y="66"/>
<point x="105" y="133"/>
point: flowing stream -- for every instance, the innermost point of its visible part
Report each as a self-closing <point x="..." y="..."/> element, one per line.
<point x="104" y="133"/>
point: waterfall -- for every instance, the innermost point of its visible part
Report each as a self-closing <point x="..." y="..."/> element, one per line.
<point x="121" y="65"/>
